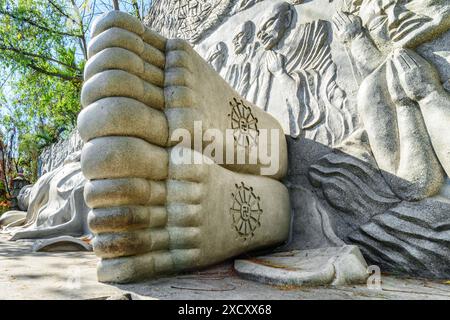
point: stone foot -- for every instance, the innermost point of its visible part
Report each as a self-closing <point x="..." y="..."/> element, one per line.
<point x="151" y="214"/>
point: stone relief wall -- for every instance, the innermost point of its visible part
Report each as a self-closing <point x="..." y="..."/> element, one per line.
<point x="188" y="19"/>
<point x="362" y="89"/>
<point x="280" y="59"/>
<point x="53" y="156"/>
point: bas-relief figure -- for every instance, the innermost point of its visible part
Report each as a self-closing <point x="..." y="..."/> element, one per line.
<point x="405" y="112"/>
<point x="402" y="103"/>
<point x="239" y="73"/>
<point x="217" y="56"/>
<point x="291" y="63"/>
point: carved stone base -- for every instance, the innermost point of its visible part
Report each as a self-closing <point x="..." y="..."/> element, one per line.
<point x="61" y="244"/>
<point x="334" y="266"/>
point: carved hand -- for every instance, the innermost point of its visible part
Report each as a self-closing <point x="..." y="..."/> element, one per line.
<point x="347" y="26"/>
<point x="417" y="77"/>
<point x="275" y="62"/>
<point x="397" y="93"/>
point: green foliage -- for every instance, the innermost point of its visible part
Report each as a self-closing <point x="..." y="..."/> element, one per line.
<point x="43" y="50"/>
<point x="34" y="37"/>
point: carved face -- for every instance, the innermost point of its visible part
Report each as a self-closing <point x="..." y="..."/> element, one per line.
<point x="275" y="27"/>
<point x="242" y="37"/>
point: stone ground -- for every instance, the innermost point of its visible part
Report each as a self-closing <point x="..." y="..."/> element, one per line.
<point x="27" y="275"/>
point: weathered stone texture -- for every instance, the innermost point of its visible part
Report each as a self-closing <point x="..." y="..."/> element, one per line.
<point x="362" y="88"/>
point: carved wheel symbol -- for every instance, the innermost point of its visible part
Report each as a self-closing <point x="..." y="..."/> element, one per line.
<point x="244" y="124"/>
<point x="246" y="211"/>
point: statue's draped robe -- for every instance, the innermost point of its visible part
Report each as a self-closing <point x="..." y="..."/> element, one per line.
<point x="241" y="71"/>
<point x="56" y="205"/>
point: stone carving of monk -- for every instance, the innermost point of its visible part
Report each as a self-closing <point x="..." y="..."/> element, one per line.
<point x="240" y="71"/>
<point x="273" y="29"/>
<point x="217" y="56"/>
<point x="298" y="70"/>
<point x="402" y="102"/>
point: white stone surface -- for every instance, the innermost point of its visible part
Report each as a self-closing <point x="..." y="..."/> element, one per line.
<point x="52" y="157"/>
<point x="363" y="89"/>
<point x="62" y="244"/>
<point x="334" y="266"/>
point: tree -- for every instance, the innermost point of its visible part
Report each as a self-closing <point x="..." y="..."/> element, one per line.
<point x="43" y="50"/>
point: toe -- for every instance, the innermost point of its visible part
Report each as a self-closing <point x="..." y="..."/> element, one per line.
<point x="186" y="259"/>
<point x="182" y="125"/>
<point x="129" y="269"/>
<point x="116" y="37"/>
<point x="185" y="192"/>
<point x="187" y="171"/>
<point x="178" y="77"/>
<point x="118" y="83"/>
<point x="123" y="157"/>
<point x="184" y="238"/>
<point x="179" y="59"/>
<point x="124" y="192"/>
<point x="154" y="39"/>
<point x="122" y="59"/>
<point x="184" y="215"/>
<point x="114" y="245"/>
<point x="117" y="19"/>
<point x="113" y="116"/>
<point x="179" y="97"/>
<point x="123" y="219"/>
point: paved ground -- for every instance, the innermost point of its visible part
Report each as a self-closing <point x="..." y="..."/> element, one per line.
<point x="27" y="275"/>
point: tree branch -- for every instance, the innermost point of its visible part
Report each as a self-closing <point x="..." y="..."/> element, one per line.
<point x="31" y="22"/>
<point x="65" y="77"/>
<point x="82" y="38"/>
<point x="29" y="54"/>
<point x="7" y="78"/>
<point x="62" y="12"/>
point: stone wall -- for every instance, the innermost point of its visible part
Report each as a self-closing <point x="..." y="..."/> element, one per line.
<point x="53" y="156"/>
